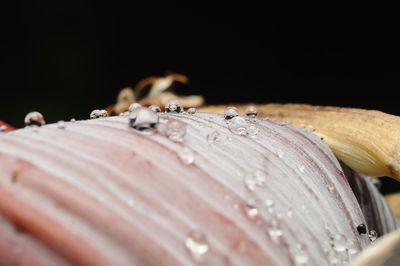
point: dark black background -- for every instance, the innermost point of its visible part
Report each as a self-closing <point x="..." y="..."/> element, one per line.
<point x="65" y="58"/>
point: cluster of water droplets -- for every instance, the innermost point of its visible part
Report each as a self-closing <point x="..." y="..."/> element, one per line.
<point x="255" y="179"/>
<point x="242" y="126"/>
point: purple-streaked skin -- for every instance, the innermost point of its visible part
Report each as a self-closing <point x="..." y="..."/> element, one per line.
<point x="101" y="193"/>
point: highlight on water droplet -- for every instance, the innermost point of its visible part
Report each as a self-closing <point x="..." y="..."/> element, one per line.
<point x="302" y="168"/>
<point x="34" y="119"/>
<point x="186" y="155"/>
<point x="250" y="182"/>
<point x="173" y="106"/>
<point x="143" y="119"/>
<point x="197" y="245"/>
<point x="230" y="112"/>
<point x="175" y="130"/>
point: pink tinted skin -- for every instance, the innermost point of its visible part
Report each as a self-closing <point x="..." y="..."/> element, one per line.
<point x="100" y="193"/>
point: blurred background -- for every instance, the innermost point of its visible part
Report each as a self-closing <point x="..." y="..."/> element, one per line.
<point x="66" y="58"/>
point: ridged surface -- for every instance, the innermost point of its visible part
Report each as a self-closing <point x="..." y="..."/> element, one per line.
<point x="100" y="193"/>
<point x="368" y="141"/>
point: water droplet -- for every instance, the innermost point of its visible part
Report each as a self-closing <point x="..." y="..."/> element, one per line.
<point x="280" y="154"/>
<point x="251" y="111"/>
<point x="61" y="124"/>
<point x="155" y="108"/>
<point x="197" y="245"/>
<point x="372" y="235"/>
<point x="103" y="113"/>
<point x="302" y="168"/>
<point x="2" y="128"/>
<point x="192" y="111"/>
<point x="175" y="130"/>
<point x="289" y="213"/>
<point x="143" y="119"/>
<point x="251" y="211"/>
<point x="186" y="155"/>
<point x="250" y="182"/>
<point x="300" y="255"/>
<point x="255" y="179"/>
<point x="361" y="229"/>
<point x="274" y="230"/>
<point x="351" y="245"/>
<point x="270" y="204"/>
<point x="309" y="128"/>
<point x="173" y="106"/>
<point x="238" y="125"/>
<point x="73" y="120"/>
<point x="261" y="177"/>
<point x="252" y="131"/>
<point x="339" y="242"/>
<point x="131" y="203"/>
<point x="330" y="188"/>
<point x="134" y="106"/>
<point x="213" y="137"/>
<point x="95" y="114"/>
<point x="34" y="119"/>
<point x="332" y="257"/>
<point x="231" y="112"/>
